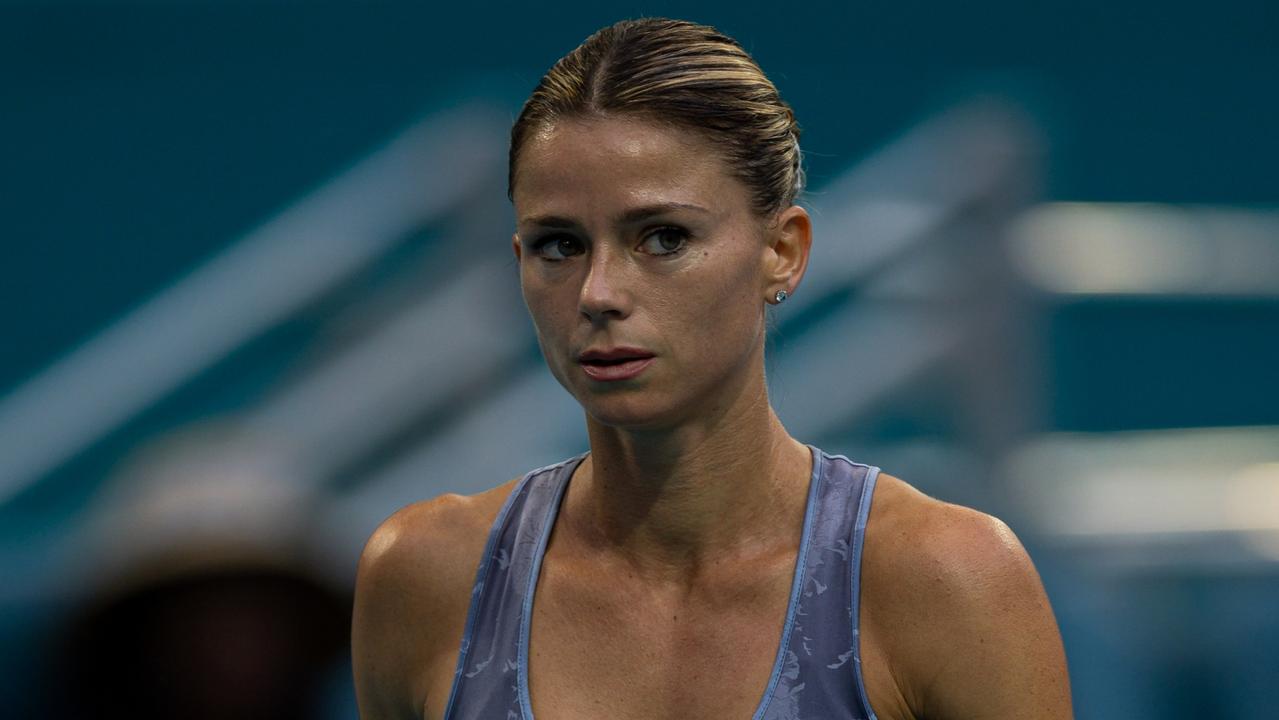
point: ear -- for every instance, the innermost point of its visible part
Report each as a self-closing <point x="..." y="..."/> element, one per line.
<point x="515" y="246"/>
<point x="786" y="258"/>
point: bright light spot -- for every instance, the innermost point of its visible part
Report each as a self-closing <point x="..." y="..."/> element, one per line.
<point x="1097" y="248"/>
<point x="1252" y="506"/>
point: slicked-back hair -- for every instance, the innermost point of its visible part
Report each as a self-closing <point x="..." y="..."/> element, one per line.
<point x="681" y="74"/>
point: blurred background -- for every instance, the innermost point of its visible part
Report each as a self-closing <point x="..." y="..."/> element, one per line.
<point x="257" y="294"/>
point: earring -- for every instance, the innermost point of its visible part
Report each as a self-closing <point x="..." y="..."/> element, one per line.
<point x="781" y="296"/>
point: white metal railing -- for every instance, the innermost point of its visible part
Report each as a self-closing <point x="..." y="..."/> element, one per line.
<point x="271" y="273"/>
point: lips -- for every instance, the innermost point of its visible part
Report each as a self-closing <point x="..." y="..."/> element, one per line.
<point x="613" y="364"/>
<point x="613" y="356"/>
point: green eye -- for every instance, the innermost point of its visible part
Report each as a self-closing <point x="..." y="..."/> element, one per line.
<point x="665" y="241"/>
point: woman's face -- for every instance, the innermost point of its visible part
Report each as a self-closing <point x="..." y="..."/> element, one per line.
<point x="635" y="235"/>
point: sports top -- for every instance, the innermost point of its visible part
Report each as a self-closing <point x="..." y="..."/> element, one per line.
<point x="817" y="672"/>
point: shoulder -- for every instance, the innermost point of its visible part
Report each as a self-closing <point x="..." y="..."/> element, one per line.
<point x="419" y="549"/>
<point x="961" y="611"/>
<point x="412" y="593"/>
<point x="938" y="543"/>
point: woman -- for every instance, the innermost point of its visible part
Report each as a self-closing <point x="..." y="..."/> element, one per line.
<point x="698" y="561"/>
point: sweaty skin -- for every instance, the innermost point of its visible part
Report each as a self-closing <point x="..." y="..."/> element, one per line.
<point x="664" y="587"/>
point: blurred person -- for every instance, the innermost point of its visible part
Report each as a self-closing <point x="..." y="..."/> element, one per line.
<point x="197" y="599"/>
<point x="235" y="642"/>
<point x="697" y="561"/>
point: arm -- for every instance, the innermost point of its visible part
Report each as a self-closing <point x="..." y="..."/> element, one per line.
<point x="412" y="593"/>
<point x="955" y="623"/>
<point x="381" y="652"/>
<point x="996" y="650"/>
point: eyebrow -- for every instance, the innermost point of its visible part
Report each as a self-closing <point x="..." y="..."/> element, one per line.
<point x="633" y="215"/>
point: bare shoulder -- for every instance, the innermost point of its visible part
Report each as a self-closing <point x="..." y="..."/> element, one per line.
<point x="939" y="544"/>
<point x="411" y="597"/>
<point x="958" y="610"/>
<point x="424" y="540"/>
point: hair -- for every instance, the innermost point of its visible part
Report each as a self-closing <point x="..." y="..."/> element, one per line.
<point x="683" y="74"/>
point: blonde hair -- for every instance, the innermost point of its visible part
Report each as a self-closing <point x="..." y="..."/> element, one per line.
<point x="683" y="74"/>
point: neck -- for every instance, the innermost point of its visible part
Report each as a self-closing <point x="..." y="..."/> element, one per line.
<point x="671" y="501"/>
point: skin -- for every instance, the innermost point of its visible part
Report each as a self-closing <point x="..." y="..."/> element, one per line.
<point x="665" y="583"/>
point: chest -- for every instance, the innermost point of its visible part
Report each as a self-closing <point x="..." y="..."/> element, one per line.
<point x="598" y="657"/>
<point x="610" y="645"/>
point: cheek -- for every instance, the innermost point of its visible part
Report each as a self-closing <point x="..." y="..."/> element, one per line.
<point x="552" y="307"/>
<point x="544" y="308"/>
<point x="719" y="310"/>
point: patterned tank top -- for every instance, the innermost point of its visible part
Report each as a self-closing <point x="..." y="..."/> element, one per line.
<point x="817" y="672"/>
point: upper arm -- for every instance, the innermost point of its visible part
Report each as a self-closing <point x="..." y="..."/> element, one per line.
<point x="996" y="650"/>
<point x="412" y="591"/>
<point x="382" y="654"/>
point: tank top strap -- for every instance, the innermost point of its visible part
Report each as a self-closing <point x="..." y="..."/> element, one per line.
<point x="819" y="675"/>
<point x="486" y="682"/>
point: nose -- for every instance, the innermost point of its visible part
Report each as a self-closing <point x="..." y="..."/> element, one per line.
<point x="604" y="289"/>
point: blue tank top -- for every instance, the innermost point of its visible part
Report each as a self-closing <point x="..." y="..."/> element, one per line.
<point x="817" y="671"/>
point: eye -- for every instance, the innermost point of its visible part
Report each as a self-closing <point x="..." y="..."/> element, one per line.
<point x="557" y="247"/>
<point x="665" y="241"/>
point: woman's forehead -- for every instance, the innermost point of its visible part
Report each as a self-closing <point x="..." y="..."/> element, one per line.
<point x="577" y="162"/>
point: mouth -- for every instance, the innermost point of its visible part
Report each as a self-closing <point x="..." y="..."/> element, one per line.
<point x="613" y="356"/>
<point x="614" y="364"/>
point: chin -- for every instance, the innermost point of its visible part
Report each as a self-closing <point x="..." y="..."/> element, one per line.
<point x="632" y="413"/>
